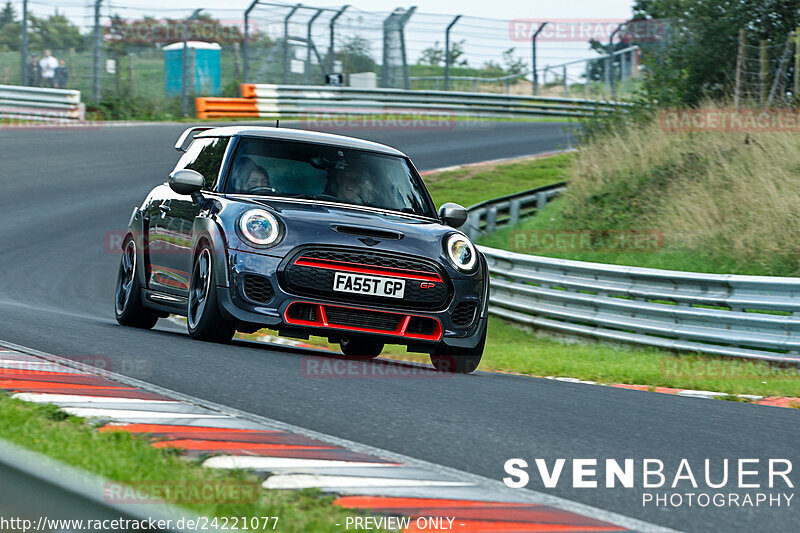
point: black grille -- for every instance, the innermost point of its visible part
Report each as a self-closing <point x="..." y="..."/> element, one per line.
<point x="373" y="259"/>
<point x="464" y="313"/>
<point x="318" y="282"/>
<point x="302" y="311"/>
<point x="257" y="289"/>
<point x="362" y="319"/>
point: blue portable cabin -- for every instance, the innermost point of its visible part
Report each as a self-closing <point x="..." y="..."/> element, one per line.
<point x="204" y="79"/>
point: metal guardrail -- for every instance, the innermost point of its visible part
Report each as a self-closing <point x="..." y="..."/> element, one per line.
<point x="40" y="104"/>
<point x="276" y="100"/>
<point x="754" y="317"/>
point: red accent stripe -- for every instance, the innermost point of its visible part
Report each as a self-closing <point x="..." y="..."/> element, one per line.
<point x="400" y="331"/>
<point x="193" y="444"/>
<point x="331" y="264"/>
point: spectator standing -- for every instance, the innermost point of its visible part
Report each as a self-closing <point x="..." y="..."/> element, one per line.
<point x="48" y="64"/>
<point x="62" y="75"/>
<point x="33" y="74"/>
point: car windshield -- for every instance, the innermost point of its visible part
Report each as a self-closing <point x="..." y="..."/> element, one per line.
<point x="319" y="172"/>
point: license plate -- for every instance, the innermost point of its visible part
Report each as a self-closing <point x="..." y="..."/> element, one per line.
<point x="373" y="285"/>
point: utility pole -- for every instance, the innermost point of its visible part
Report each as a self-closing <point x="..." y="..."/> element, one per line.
<point x="97" y="72"/>
<point x="245" y="39"/>
<point x="331" y="43"/>
<point x="447" y="53"/>
<point x="24" y="50"/>
<point x="184" y="64"/>
<point x="535" y="78"/>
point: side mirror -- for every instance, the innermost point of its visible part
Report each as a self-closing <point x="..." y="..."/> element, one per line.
<point x="453" y="215"/>
<point x="186" y="181"/>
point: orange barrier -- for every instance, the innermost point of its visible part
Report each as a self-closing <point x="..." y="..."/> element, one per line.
<point x="247" y="90"/>
<point x="212" y="107"/>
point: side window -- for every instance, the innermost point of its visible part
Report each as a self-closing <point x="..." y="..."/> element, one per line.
<point x="205" y="156"/>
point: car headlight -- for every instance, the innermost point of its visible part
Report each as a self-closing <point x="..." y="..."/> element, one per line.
<point x="260" y="227"/>
<point x="461" y="252"/>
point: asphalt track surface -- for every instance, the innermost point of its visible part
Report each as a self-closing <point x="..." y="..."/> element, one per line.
<point x="62" y="191"/>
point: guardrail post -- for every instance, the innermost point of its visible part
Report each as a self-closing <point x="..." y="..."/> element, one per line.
<point x="541" y="200"/>
<point x="491" y="220"/>
<point x="513" y="212"/>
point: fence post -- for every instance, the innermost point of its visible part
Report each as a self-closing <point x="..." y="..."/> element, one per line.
<point x="184" y="65"/>
<point x="131" y="83"/>
<point x="308" y="45"/>
<point x="541" y="200"/>
<point x="564" y="74"/>
<point x="24" y="49"/>
<point x="447" y="53"/>
<point x="763" y="71"/>
<point x="237" y="68"/>
<point x="97" y="73"/>
<point x="796" y="90"/>
<point x="737" y="96"/>
<point x="535" y="78"/>
<point x="285" y="76"/>
<point x="245" y="39"/>
<point x="331" y="25"/>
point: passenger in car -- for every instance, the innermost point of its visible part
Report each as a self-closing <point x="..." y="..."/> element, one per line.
<point x="249" y="177"/>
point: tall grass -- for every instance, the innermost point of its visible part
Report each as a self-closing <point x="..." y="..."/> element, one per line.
<point x="730" y="197"/>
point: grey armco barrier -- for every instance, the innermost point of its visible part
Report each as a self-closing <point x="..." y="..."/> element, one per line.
<point x="755" y="317"/>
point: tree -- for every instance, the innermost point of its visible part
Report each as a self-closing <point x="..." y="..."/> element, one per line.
<point x="7" y="15"/>
<point x="702" y="40"/>
<point x="356" y="55"/>
<point x="434" y="55"/>
<point x="513" y="65"/>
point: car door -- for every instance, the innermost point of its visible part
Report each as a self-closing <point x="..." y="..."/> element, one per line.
<point x="177" y="213"/>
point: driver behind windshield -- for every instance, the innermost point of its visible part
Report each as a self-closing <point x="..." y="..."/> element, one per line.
<point x="355" y="184"/>
<point x="248" y="177"/>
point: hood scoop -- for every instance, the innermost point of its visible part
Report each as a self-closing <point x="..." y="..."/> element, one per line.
<point x="360" y="231"/>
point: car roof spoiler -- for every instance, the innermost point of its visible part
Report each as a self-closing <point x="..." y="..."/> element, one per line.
<point x="189" y="132"/>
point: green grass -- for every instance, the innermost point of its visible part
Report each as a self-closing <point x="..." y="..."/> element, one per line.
<point x="516" y="349"/>
<point x="118" y="456"/>
<point x="471" y="185"/>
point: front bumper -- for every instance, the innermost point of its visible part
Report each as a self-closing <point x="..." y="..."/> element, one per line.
<point x="300" y="315"/>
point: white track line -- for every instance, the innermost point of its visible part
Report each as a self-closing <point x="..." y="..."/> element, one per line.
<point x="72" y="398"/>
<point x="88" y="412"/>
<point x="311" y="481"/>
<point x="265" y="463"/>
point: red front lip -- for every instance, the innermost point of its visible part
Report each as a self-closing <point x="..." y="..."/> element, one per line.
<point x="400" y="331"/>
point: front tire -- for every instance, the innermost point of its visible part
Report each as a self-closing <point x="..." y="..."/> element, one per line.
<point x="204" y="318"/>
<point x="458" y="360"/>
<point x="128" y="307"/>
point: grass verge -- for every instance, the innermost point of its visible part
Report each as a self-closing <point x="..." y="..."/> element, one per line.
<point x="473" y="184"/>
<point x="118" y="456"/>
